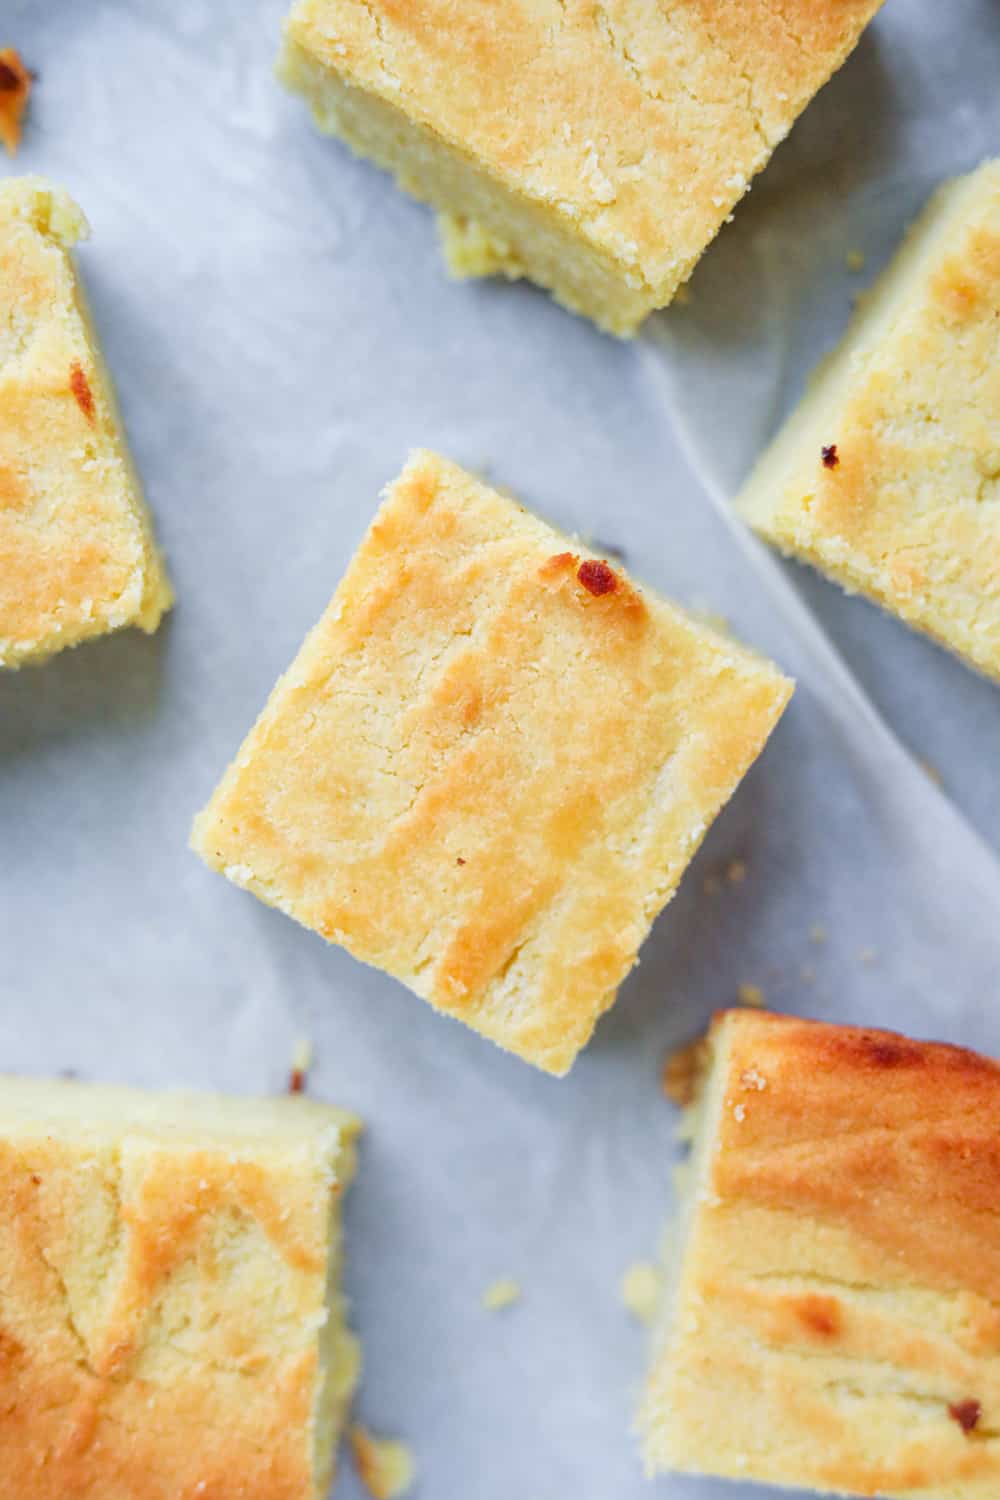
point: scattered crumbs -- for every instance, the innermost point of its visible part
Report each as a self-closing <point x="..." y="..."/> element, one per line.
<point x="867" y="955"/>
<point x="830" y="456"/>
<point x="932" y="771"/>
<point x="817" y="935"/>
<point x="855" y="260"/>
<point x="503" y="1292"/>
<point x="739" y="1113"/>
<point x="641" y="1288"/>
<point x="15" y="88"/>
<point x="751" y="995"/>
<point x="302" y="1057"/>
<point x="753" y="1078"/>
<point x="736" y="871"/>
<point x="682" y="1071"/>
<point x="711" y="885"/>
<point x="966" y="1414"/>
<point x="385" y="1466"/>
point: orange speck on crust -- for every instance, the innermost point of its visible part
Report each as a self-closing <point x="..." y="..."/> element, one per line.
<point x="966" y="1414"/>
<point x="820" y="1315"/>
<point x="15" y="87"/>
<point x="80" y="386"/>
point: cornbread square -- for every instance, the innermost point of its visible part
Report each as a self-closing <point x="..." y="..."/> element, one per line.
<point x="77" y="556"/>
<point x="887" y="477"/>
<point x="832" y="1321"/>
<point x="489" y="765"/>
<point x="596" y="148"/>
<point x="170" y="1321"/>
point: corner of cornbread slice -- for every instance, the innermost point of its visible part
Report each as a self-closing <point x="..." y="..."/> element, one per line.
<point x="490" y="763"/>
<point x="831" y="1320"/>
<point x="77" y="555"/>
<point x="887" y="476"/>
<point x="171" y="1323"/>
<point x="596" y="149"/>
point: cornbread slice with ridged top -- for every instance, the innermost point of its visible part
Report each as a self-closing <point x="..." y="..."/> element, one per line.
<point x="831" y="1320"/>
<point x="171" y="1325"/>
<point x="77" y="555"/>
<point x="596" y="148"/>
<point x="887" y="476"/>
<point x="490" y="763"/>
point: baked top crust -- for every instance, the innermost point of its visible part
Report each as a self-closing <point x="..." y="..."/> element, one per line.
<point x="640" y="124"/>
<point x="906" y="505"/>
<point x="489" y="764"/>
<point x="837" y="1325"/>
<point x="164" y="1286"/>
<point x="77" y="556"/>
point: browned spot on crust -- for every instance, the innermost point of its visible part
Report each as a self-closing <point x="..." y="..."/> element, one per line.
<point x="460" y="860"/>
<point x="555" y="567"/>
<point x="966" y="1414"/>
<point x="831" y="458"/>
<point x="80" y="386"/>
<point x="15" y="86"/>
<point x="597" y="578"/>
<point x="820" y="1315"/>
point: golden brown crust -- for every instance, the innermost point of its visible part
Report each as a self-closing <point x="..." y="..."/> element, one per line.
<point x="76" y="553"/>
<point x="636" y="125"/>
<point x="161" y="1303"/>
<point x="15" y="91"/>
<point x="483" y="776"/>
<point x="906" y="508"/>
<point x="838" y="1300"/>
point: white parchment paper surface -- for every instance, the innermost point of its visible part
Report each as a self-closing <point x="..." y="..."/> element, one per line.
<point x="281" y="333"/>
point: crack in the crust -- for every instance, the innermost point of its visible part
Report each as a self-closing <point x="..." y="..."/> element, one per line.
<point x="370" y="8"/>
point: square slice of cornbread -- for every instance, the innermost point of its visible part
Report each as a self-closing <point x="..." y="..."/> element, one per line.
<point x="887" y="477"/>
<point x="77" y="555"/>
<point x="595" y="148"/>
<point x="490" y="763"/>
<point x="171" y="1324"/>
<point x="831" y="1319"/>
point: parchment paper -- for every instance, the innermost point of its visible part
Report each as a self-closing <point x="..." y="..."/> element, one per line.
<point x="281" y="332"/>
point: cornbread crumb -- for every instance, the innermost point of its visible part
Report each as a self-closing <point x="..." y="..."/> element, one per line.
<point x="711" y="885"/>
<point x="478" y="689"/>
<point x="15" y="91"/>
<point x="867" y="955"/>
<point x="818" y="934"/>
<point x="641" y="1289"/>
<point x="751" y="995"/>
<point x="682" y="1071"/>
<point x="931" y="770"/>
<point x="385" y="1466"/>
<point x="503" y="1292"/>
<point x="855" y="260"/>
<point x="736" y="871"/>
<point x="302" y="1056"/>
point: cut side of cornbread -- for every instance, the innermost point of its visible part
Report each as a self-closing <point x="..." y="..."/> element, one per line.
<point x="887" y="477"/>
<point x="77" y="555"/>
<point x="171" y="1323"/>
<point x="490" y="764"/>
<point x="831" y="1318"/>
<point x="596" y="148"/>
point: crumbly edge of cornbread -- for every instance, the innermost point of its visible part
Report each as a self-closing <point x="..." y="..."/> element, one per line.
<point x="787" y="466"/>
<point x="54" y="215"/>
<point x="481" y="220"/>
<point x="556" y="1038"/>
<point x="98" y="1118"/>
